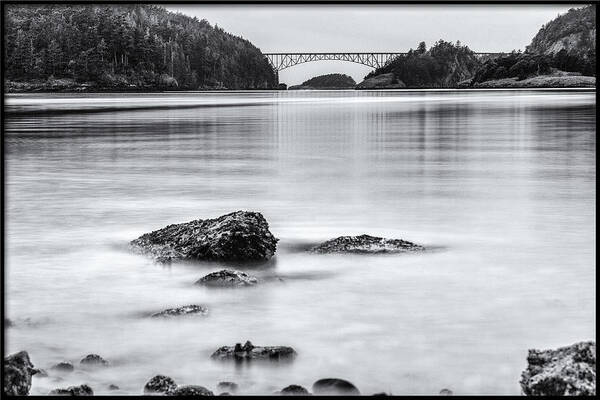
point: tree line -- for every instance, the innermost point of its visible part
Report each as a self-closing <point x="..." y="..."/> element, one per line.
<point x="128" y="45"/>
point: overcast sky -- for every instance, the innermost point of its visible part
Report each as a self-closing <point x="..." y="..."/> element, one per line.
<point x="319" y="28"/>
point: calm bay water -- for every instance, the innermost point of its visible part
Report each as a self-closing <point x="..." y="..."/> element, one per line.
<point x="500" y="183"/>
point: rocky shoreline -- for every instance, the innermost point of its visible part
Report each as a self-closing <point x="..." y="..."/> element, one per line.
<point x="244" y="236"/>
<point x="567" y="371"/>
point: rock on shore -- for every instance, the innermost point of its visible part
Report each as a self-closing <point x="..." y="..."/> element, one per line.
<point x="81" y="390"/>
<point x="160" y="384"/>
<point x="294" y="390"/>
<point x="18" y="370"/>
<point x="541" y="81"/>
<point x="366" y="244"/>
<point x="227" y="278"/>
<point x="191" y="390"/>
<point x="191" y="309"/>
<point x="567" y="371"/>
<point x="249" y="352"/>
<point x="238" y="236"/>
<point x="334" y="386"/>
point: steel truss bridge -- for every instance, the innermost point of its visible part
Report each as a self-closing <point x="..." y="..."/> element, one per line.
<point x="280" y="61"/>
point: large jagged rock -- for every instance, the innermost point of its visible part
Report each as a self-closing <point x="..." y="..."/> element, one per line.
<point x="192" y="309"/>
<point x="81" y="390"/>
<point x="249" y="352"/>
<point x="334" y="386"/>
<point x="160" y="384"/>
<point x="18" y="370"/>
<point x="366" y="244"/>
<point x="227" y="278"/>
<point x="191" y="390"/>
<point x="567" y="371"/>
<point x="238" y="236"/>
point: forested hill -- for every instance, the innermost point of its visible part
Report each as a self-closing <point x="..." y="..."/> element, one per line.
<point x="134" y="46"/>
<point x="573" y="32"/>
<point x="565" y="45"/>
<point x="329" y="81"/>
<point x="443" y="65"/>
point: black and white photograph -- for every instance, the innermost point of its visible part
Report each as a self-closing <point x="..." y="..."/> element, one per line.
<point x="298" y="198"/>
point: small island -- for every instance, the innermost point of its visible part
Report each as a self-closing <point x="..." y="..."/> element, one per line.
<point x="324" y="82"/>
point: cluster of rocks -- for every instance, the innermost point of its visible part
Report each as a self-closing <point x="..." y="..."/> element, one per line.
<point x="244" y="236"/>
<point x="567" y="371"/>
<point x="249" y="352"/>
<point x="19" y="370"/>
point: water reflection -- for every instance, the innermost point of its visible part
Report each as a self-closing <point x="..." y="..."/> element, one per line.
<point x="503" y="182"/>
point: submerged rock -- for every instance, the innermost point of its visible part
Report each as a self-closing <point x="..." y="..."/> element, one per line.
<point x="39" y="373"/>
<point x="184" y="310"/>
<point x="238" y="236"/>
<point x="249" y="352"/>
<point x="229" y="387"/>
<point x="366" y="244"/>
<point x="81" y="390"/>
<point x="160" y="384"/>
<point x="191" y="390"/>
<point x="334" y="386"/>
<point x="93" y="360"/>
<point x="446" y="392"/>
<point x="567" y="371"/>
<point x="63" y="367"/>
<point x="18" y="370"/>
<point x="227" y="278"/>
<point x="294" y="390"/>
<point x="113" y="387"/>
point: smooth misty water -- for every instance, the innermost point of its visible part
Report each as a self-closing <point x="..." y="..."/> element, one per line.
<point x="500" y="183"/>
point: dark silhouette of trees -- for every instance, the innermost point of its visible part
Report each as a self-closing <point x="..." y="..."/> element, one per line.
<point x="128" y="45"/>
<point x="443" y="65"/>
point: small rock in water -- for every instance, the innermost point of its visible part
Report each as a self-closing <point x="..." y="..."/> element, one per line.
<point x="334" y="386"/>
<point x="39" y="373"/>
<point x="63" y="367"/>
<point x="225" y="394"/>
<point x="160" y="384"/>
<point x="250" y="352"/>
<point x="294" y="390"/>
<point x="18" y="370"/>
<point x="238" y="236"/>
<point x="113" y="387"/>
<point x="93" y="360"/>
<point x="81" y="390"/>
<point x="191" y="390"/>
<point x="567" y="371"/>
<point x="227" y="278"/>
<point x="380" y="394"/>
<point x="185" y="310"/>
<point x="446" y="392"/>
<point x="228" y="387"/>
<point x="366" y="244"/>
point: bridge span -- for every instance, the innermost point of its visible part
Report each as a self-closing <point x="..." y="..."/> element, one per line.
<point x="280" y="61"/>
